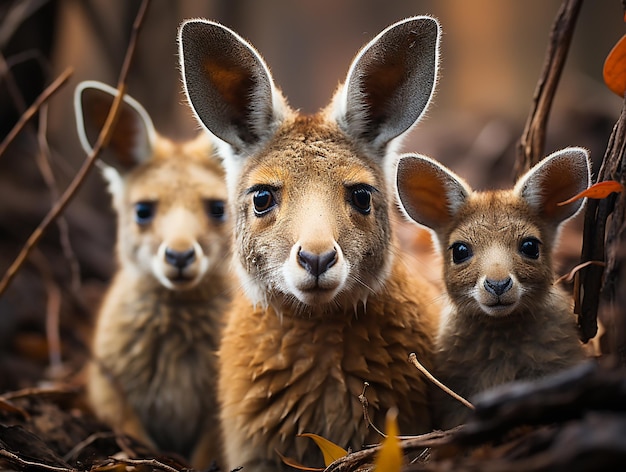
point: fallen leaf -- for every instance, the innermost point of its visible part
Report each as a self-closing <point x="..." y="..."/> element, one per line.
<point x="614" y="71"/>
<point x="599" y="190"/>
<point x="295" y="464"/>
<point x="389" y="458"/>
<point x="7" y="406"/>
<point x="330" y="450"/>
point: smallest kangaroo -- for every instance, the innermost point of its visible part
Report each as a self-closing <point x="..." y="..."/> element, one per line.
<point x="154" y="366"/>
<point x="505" y="320"/>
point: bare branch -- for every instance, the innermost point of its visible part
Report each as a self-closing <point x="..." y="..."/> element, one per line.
<point x="30" y="112"/>
<point x="20" y="461"/>
<point x="102" y="140"/>
<point x="413" y="360"/>
<point x="43" y="161"/>
<point x="150" y="462"/>
<point x="530" y="149"/>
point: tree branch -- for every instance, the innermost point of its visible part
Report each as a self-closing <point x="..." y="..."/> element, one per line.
<point x="530" y="149"/>
<point x="102" y="140"/>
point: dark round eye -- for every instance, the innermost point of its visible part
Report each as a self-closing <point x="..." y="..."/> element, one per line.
<point x="461" y="252"/>
<point x="144" y="212"/>
<point x="361" y="199"/>
<point x="530" y="248"/>
<point x="263" y="201"/>
<point x="216" y="209"/>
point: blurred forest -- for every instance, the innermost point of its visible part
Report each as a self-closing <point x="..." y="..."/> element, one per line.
<point x="492" y="54"/>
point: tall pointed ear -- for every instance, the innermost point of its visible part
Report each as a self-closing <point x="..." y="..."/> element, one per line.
<point x="429" y="194"/>
<point x="133" y="136"/>
<point x="556" y="179"/>
<point x="390" y="83"/>
<point x="228" y="85"/>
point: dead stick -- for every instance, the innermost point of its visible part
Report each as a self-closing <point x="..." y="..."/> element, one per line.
<point x="19" y="460"/>
<point x="30" y="112"/>
<point x="149" y="462"/>
<point x="102" y="140"/>
<point x="530" y="149"/>
<point x="413" y="360"/>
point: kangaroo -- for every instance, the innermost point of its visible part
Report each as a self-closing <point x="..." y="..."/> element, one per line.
<point x="505" y="319"/>
<point x="154" y="369"/>
<point x="325" y="306"/>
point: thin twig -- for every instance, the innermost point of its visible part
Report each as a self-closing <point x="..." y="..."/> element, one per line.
<point x="35" y="391"/>
<point x="368" y="420"/>
<point x="30" y="112"/>
<point x="43" y="161"/>
<point x="102" y="140"/>
<point x="413" y="360"/>
<point x="572" y="273"/>
<point x="19" y="460"/>
<point x="530" y="149"/>
<point x="11" y="84"/>
<point x="149" y="462"/>
<point x="366" y="415"/>
<point x="78" y="448"/>
<point x="53" y="310"/>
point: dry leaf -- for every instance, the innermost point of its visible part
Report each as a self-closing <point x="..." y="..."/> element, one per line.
<point x="599" y="190"/>
<point x="295" y="464"/>
<point x="614" y="71"/>
<point x="330" y="450"/>
<point x="389" y="458"/>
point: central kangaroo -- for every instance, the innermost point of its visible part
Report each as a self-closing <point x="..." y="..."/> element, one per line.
<point x="325" y="306"/>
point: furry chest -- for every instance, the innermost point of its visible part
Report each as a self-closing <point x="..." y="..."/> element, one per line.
<point x="168" y="373"/>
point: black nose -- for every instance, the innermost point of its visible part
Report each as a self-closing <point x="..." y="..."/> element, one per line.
<point x="179" y="259"/>
<point x="317" y="264"/>
<point x="498" y="287"/>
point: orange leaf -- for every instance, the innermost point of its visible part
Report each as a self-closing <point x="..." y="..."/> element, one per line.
<point x="329" y="449"/>
<point x="389" y="458"/>
<point x="614" y="71"/>
<point x="296" y="465"/>
<point x="599" y="190"/>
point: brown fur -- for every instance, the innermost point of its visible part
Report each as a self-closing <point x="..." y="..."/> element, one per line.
<point x="154" y="370"/>
<point x="297" y="350"/>
<point x="527" y="331"/>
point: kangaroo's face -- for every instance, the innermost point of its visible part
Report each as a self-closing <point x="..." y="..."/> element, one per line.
<point x="170" y="198"/>
<point x="172" y="218"/>
<point x="313" y="220"/>
<point x="309" y="194"/>
<point x="497" y="260"/>
<point x="497" y="246"/>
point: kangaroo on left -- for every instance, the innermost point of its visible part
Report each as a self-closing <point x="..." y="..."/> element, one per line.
<point x="153" y="369"/>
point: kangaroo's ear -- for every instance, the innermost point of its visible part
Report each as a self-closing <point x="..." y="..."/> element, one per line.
<point x="228" y="85"/>
<point x="390" y="83"/>
<point x="555" y="179"/>
<point x="133" y="136"/>
<point x="430" y="194"/>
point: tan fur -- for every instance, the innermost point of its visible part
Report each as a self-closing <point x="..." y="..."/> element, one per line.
<point x="488" y="338"/>
<point x="154" y="370"/>
<point x="298" y="348"/>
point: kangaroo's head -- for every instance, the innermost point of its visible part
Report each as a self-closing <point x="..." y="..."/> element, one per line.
<point x="309" y="193"/>
<point x="497" y="245"/>
<point x="170" y="198"/>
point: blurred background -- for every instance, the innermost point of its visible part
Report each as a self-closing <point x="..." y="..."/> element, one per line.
<point x="491" y="57"/>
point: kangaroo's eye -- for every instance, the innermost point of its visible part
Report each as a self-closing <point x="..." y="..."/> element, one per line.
<point x="461" y="252"/>
<point x="144" y="212"/>
<point x="216" y="209"/>
<point x="361" y="199"/>
<point x="530" y="248"/>
<point x="263" y="200"/>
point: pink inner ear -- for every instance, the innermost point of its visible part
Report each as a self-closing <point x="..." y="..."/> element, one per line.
<point x="127" y="132"/>
<point x="558" y="180"/>
<point x="423" y="192"/>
